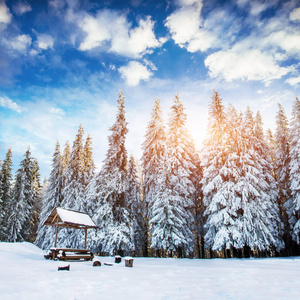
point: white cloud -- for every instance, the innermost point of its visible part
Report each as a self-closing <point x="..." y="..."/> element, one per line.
<point x="294" y="81"/>
<point x="150" y="64"/>
<point x="202" y="41"/>
<point x="257" y="7"/>
<point x="262" y="55"/>
<point x="185" y="26"/>
<point x="198" y="3"/>
<point x="57" y="112"/>
<point x="134" y="72"/>
<point x="111" y="29"/>
<point x="5" y="15"/>
<point x="33" y="52"/>
<point x="96" y="29"/>
<point x="45" y="41"/>
<point x="137" y="41"/>
<point x="244" y="64"/>
<point x="288" y="40"/>
<point x="112" y="67"/>
<point x="8" y="103"/>
<point x="295" y="14"/>
<point x="57" y="4"/>
<point x="22" y="7"/>
<point x="20" y="42"/>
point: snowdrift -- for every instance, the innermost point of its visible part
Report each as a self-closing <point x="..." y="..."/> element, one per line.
<point x="25" y="274"/>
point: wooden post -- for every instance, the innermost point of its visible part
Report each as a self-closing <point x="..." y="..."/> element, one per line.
<point x="56" y="232"/>
<point x="85" y="229"/>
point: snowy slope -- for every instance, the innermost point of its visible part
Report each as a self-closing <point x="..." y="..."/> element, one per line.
<point x="25" y="274"/>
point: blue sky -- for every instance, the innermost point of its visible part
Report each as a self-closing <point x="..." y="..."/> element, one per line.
<point x="62" y="63"/>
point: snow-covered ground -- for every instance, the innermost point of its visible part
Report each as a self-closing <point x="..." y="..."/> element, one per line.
<point x="25" y="274"/>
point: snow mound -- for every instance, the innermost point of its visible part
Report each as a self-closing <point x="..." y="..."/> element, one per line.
<point x="24" y="247"/>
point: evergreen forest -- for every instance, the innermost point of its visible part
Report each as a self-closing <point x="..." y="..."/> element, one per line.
<point x="237" y="196"/>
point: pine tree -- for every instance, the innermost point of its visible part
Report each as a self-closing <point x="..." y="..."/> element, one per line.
<point x="271" y="144"/>
<point x="37" y="202"/>
<point x="52" y="198"/>
<point x="73" y="190"/>
<point x="154" y="151"/>
<point x="108" y="190"/>
<point x="22" y="201"/>
<point x="224" y="212"/>
<point x="154" y="148"/>
<point x="5" y="192"/>
<point x="66" y="156"/>
<point x="282" y="165"/>
<point x="243" y="213"/>
<point x="89" y="173"/>
<point x="17" y="211"/>
<point x="174" y="204"/>
<point x="135" y="207"/>
<point x="262" y="228"/>
<point x="293" y="204"/>
<point x="213" y="157"/>
<point x="65" y="162"/>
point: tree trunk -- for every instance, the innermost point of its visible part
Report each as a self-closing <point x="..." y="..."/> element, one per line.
<point x="157" y="253"/>
<point x="202" y="248"/>
<point x="231" y="252"/>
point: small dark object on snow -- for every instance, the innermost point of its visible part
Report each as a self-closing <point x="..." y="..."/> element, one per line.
<point x="107" y="264"/>
<point x="65" y="268"/>
<point x="97" y="263"/>
<point x="48" y="255"/>
<point x="118" y="259"/>
<point x="128" y="262"/>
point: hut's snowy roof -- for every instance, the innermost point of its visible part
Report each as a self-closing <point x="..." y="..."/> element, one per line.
<point x="69" y="218"/>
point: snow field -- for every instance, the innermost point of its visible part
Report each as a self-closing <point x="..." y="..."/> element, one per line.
<point x="25" y="274"/>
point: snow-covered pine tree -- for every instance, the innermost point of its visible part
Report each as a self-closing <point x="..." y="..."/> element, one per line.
<point x="250" y="186"/>
<point x="108" y="189"/>
<point x="73" y="189"/>
<point x="65" y="161"/>
<point x="165" y="223"/>
<point x="73" y="173"/>
<point x="89" y="173"/>
<point x="293" y="204"/>
<point x="136" y="207"/>
<point x="52" y="198"/>
<point x="262" y="227"/>
<point x="245" y="213"/>
<point x="281" y="167"/>
<point x="37" y="202"/>
<point x="271" y="144"/>
<point x="213" y="157"/>
<point x="225" y="210"/>
<point x="87" y="176"/>
<point x="154" y="151"/>
<point x="18" y="211"/>
<point x="66" y="156"/>
<point x="22" y="201"/>
<point x="196" y="173"/>
<point x="5" y="192"/>
<point x="172" y="213"/>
